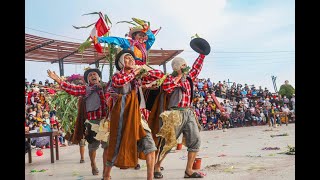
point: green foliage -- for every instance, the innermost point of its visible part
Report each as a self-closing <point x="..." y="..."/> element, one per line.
<point x="141" y="73"/>
<point x="286" y="90"/>
<point x="90" y="13"/>
<point x="184" y="70"/>
<point x="195" y="36"/>
<point x="160" y="81"/>
<point x="136" y="22"/>
<point x="110" y="56"/>
<point x="84" y="46"/>
<point x="139" y="21"/>
<point x="128" y="22"/>
<point x="79" y="27"/>
<point x="66" y="109"/>
<point x="174" y="74"/>
<point x="107" y="19"/>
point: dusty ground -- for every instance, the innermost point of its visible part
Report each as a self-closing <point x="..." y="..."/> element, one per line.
<point x="242" y="147"/>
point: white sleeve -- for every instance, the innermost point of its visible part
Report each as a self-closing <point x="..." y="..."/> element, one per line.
<point x="32" y="99"/>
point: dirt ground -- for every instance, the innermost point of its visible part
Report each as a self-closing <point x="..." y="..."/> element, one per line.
<point x="235" y="154"/>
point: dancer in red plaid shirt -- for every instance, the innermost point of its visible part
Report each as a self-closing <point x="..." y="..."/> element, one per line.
<point x="179" y="86"/>
<point x="129" y="130"/>
<point x="94" y="96"/>
<point x="180" y="81"/>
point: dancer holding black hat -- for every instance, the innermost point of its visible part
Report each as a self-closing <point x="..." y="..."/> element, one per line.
<point x="180" y="116"/>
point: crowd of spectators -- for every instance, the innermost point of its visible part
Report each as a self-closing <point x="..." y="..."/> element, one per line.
<point x="239" y="105"/>
<point x="39" y="116"/>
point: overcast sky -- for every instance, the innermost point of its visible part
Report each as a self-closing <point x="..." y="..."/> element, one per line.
<point x="251" y="40"/>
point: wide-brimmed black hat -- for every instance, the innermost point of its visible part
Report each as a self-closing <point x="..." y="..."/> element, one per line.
<point x="200" y="45"/>
<point x="120" y="54"/>
<point x="86" y="73"/>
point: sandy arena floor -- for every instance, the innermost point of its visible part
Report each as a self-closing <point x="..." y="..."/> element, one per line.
<point x="240" y="151"/>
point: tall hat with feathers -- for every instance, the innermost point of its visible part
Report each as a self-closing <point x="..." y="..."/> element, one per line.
<point x="138" y="26"/>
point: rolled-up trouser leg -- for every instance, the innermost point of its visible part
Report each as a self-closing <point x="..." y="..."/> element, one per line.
<point x="146" y="144"/>
<point x="190" y="130"/>
<point x="93" y="144"/>
<point x="82" y="142"/>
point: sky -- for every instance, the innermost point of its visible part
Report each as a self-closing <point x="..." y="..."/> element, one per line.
<point x="251" y="40"/>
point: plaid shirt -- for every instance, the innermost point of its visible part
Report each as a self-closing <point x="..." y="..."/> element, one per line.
<point x="80" y="90"/>
<point x="169" y="84"/>
<point x="121" y="78"/>
<point x="152" y="76"/>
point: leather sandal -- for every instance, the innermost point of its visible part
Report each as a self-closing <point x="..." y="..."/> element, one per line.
<point x="157" y="175"/>
<point x="137" y="167"/>
<point x="193" y="175"/>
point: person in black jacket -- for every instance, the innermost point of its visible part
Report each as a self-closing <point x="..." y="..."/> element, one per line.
<point x="247" y="116"/>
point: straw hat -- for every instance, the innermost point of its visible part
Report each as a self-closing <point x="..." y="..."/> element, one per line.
<point x="136" y="29"/>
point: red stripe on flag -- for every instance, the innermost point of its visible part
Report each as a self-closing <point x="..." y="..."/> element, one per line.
<point x="98" y="47"/>
<point x="155" y="32"/>
<point x="101" y="27"/>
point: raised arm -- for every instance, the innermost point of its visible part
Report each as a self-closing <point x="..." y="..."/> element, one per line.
<point x="75" y="90"/>
<point x="122" y="42"/>
<point x="69" y="88"/>
<point x="151" y="39"/>
<point x="152" y="76"/>
<point x="196" y="67"/>
<point x="120" y="79"/>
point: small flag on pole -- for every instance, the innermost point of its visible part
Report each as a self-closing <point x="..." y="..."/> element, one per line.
<point x="155" y="32"/>
<point x="100" y="29"/>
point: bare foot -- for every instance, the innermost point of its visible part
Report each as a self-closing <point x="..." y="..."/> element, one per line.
<point x="157" y="168"/>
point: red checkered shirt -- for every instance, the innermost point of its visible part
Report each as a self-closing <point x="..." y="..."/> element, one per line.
<point x="152" y="76"/>
<point x="169" y="85"/>
<point x="80" y="90"/>
<point x="121" y="78"/>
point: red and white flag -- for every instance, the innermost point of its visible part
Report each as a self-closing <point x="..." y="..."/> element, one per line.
<point x="155" y="32"/>
<point x="100" y="29"/>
